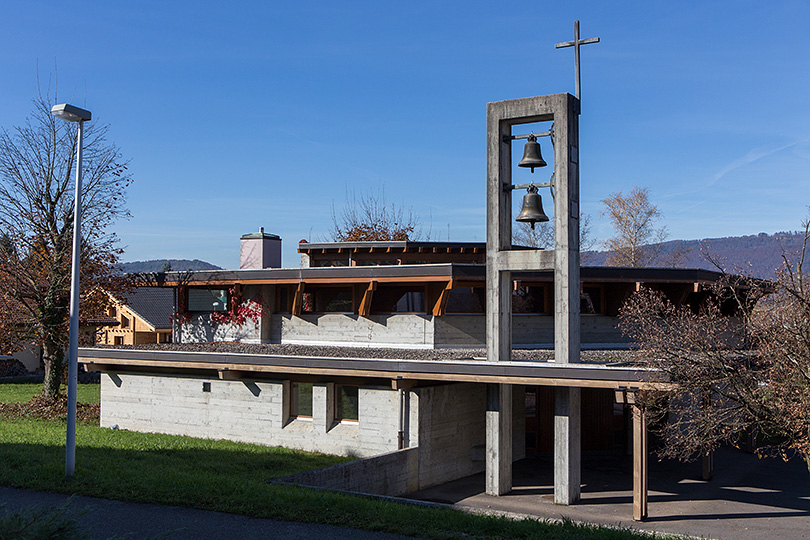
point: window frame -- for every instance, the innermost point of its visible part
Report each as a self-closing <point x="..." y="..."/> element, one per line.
<point x="295" y="402"/>
<point x="339" y="417"/>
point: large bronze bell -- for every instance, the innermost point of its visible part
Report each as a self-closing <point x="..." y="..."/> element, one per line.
<point x="532" y="210"/>
<point x="531" y="154"/>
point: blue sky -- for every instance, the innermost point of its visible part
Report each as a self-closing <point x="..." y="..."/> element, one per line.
<point x="246" y="114"/>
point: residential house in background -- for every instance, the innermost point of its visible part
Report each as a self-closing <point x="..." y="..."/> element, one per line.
<point x="143" y="315"/>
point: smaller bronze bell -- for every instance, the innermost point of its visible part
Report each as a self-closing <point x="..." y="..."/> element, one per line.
<point x="531" y="154"/>
<point x="532" y="210"/>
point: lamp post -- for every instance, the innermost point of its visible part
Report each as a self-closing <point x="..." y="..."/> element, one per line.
<point x="70" y="113"/>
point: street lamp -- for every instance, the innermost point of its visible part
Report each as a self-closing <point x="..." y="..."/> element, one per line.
<point x="70" y="113"/>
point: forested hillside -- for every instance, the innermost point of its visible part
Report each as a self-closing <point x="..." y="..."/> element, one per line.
<point x="160" y="265"/>
<point x="758" y="255"/>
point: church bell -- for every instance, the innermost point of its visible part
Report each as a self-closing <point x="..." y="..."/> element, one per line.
<point x="531" y="154"/>
<point x="532" y="210"/>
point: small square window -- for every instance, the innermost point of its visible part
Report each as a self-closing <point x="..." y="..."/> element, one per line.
<point x="346" y="408"/>
<point x="206" y="387"/>
<point x="301" y="400"/>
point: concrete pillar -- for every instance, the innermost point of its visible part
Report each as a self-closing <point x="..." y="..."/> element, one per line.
<point x="567" y="479"/>
<point x="567" y="461"/>
<point x="499" y="439"/>
<point x="323" y="407"/>
<point x="502" y="262"/>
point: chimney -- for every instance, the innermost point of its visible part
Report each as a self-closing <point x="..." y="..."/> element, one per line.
<point x="259" y="250"/>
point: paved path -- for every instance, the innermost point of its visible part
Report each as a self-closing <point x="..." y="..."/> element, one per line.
<point x="105" y="518"/>
<point x="748" y="498"/>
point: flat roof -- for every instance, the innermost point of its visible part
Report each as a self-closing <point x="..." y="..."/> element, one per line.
<point x="245" y="366"/>
<point x="392" y="245"/>
<point x="420" y="273"/>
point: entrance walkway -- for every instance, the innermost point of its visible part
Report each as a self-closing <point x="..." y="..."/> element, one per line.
<point x="748" y="498"/>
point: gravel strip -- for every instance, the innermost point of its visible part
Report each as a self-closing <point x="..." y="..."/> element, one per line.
<point x="603" y="356"/>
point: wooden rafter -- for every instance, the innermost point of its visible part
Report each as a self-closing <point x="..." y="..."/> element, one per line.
<point x="365" y="303"/>
<point x="440" y="307"/>
<point x="298" y="299"/>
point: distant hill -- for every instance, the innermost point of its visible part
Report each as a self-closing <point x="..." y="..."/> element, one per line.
<point x="157" y="265"/>
<point x="758" y="255"/>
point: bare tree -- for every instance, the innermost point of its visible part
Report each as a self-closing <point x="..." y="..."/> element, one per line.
<point x="372" y="218"/>
<point x="542" y="236"/>
<point x="732" y="376"/>
<point x="37" y="164"/>
<point x="634" y="219"/>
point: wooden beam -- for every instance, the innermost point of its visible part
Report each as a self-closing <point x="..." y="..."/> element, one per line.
<point x="708" y="459"/>
<point x="707" y="466"/>
<point x="440" y="307"/>
<point x="229" y="374"/>
<point x="365" y="303"/>
<point x="93" y="367"/>
<point x="639" y="464"/>
<point x="402" y="384"/>
<point x="298" y="299"/>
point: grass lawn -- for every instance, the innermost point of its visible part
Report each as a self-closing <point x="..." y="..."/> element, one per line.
<point x="21" y="392"/>
<point x="230" y="477"/>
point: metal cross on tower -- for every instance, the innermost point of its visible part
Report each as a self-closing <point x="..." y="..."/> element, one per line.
<point x="575" y="44"/>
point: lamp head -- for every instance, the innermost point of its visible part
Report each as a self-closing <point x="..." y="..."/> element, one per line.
<point x="70" y="113"/>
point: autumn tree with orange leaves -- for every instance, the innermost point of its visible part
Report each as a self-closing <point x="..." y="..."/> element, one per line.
<point x="37" y="175"/>
<point x="734" y="376"/>
<point x="371" y="218"/>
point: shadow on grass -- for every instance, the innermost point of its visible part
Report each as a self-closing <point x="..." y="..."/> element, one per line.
<point x="227" y="477"/>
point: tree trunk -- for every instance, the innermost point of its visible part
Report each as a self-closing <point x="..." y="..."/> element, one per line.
<point x="53" y="359"/>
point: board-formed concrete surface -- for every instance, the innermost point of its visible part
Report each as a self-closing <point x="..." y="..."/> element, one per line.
<point x="748" y="498"/>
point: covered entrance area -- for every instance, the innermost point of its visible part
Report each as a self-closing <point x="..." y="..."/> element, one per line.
<point x="606" y="425"/>
<point x="747" y="499"/>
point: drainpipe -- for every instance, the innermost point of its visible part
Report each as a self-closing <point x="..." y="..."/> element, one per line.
<point x="401" y="433"/>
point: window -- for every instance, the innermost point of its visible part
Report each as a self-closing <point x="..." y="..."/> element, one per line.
<point x="340" y="301"/>
<point x="124" y="321"/>
<point x="328" y="300"/>
<point x="346" y="409"/>
<point x="301" y="400"/>
<point x="398" y="299"/>
<point x="207" y="299"/>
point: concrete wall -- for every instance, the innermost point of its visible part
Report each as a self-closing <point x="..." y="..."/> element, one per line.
<point x="411" y="330"/>
<point x="248" y="411"/>
<point x="450" y="432"/>
<point x="395" y="330"/>
<point x="446" y="423"/>
<point x="393" y="473"/>
<point x="527" y="330"/>
<point x="200" y="329"/>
